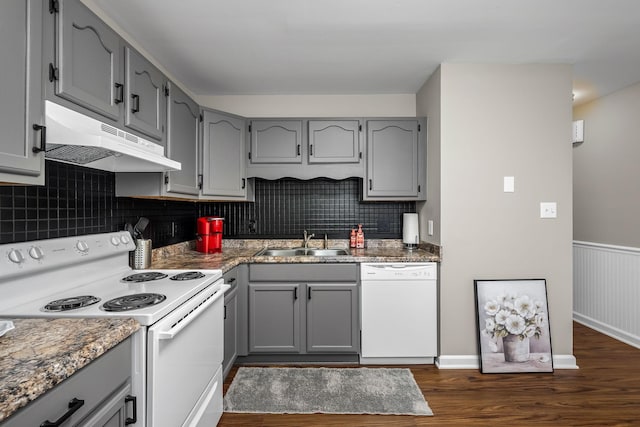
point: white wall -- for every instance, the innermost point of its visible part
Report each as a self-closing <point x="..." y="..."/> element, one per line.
<point x="428" y="102"/>
<point x="606" y="175"/>
<point x="496" y="121"/>
<point x="384" y="105"/>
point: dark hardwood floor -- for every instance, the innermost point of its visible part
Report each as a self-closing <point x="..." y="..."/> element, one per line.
<point x="605" y="391"/>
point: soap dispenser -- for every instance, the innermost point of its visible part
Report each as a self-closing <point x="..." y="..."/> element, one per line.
<point x="352" y="238"/>
<point x="360" y="237"/>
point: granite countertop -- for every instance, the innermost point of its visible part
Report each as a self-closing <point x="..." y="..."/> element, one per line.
<point x="40" y="353"/>
<point x="235" y="252"/>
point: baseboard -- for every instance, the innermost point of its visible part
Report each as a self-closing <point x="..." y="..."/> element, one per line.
<point x="458" y="362"/>
<point x="560" y="361"/>
<point x="608" y="330"/>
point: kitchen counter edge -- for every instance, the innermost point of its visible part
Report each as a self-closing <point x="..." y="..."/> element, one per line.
<point x="41" y="353"/>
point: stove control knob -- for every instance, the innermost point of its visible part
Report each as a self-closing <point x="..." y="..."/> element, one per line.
<point x="36" y="252"/>
<point x="82" y="246"/>
<point x="125" y="239"/>
<point x="115" y="241"/>
<point x="16" y="256"/>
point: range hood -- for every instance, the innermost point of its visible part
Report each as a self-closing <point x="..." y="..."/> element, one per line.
<point x="82" y="140"/>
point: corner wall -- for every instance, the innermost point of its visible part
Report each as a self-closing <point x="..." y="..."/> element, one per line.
<point x="496" y="121"/>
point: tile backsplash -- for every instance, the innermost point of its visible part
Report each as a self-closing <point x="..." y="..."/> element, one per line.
<point x="78" y="200"/>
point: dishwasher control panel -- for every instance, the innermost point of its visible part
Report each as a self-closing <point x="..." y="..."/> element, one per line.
<point x="399" y="271"/>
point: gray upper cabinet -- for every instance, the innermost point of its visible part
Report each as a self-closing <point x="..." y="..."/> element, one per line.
<point x="89" y="67"/>
<point x="183" y="123"/>
<point x="276" y="141"/>
<point x="334" y="141"/>
<point x="21" y="106"/>
<point x="395" y="160"/>
<point x="223" y="156"/>
<point x="144" y="97"/>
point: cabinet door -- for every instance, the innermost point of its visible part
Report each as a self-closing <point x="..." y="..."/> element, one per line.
<point x="113" y="412"/>
<point x="392" y="158"/>
<point x="89" y="60"/>
<point x="274" y="318"/>
<point x="144" y="97"/>
<point x="183" y="121"/>
<point x="334" y="141"/>
<point x="230" y="331"/>
<point x="332" y="318"/>
<point x="21" y="92"/>
<point x="223" y="167"/>
<point x="276" y="141"/>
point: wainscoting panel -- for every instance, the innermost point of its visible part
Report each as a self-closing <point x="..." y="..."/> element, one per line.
<point x="606" y="289"/>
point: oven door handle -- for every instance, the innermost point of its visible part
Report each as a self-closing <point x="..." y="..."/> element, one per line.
<point x="191" y="315"/>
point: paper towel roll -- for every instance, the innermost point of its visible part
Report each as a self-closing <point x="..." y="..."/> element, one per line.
<point x="410" y="229"/>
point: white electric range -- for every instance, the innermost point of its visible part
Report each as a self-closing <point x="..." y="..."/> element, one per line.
<point x="178" y="352"/>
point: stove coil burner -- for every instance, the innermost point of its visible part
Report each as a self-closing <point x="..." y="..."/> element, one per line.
<point x="144" y="277"/>
<point x="71" y="303"/>
<point x="133" y="302"/>
<point x="187" y="275"/>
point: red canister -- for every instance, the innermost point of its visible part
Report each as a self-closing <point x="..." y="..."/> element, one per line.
<point x="209" y="238"/>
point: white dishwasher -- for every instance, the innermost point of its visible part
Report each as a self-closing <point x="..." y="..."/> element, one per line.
<point x="399" y="309"/>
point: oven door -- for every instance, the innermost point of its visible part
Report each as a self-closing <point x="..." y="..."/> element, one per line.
<point x="185" y="350"/>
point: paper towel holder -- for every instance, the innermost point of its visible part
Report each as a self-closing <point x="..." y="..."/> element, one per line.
<point x="410" y="231"/>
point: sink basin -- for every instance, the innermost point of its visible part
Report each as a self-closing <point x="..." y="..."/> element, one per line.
<point x="301" y="252"/>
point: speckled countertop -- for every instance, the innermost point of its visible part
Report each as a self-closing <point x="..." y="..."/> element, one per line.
<point x="40" y="353"/>
<point x="234" y="252"/>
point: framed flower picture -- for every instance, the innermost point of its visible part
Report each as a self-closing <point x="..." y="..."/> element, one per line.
<point x="513" y="326"/>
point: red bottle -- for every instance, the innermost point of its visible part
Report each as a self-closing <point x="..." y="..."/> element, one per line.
<point x="352" y="238"/>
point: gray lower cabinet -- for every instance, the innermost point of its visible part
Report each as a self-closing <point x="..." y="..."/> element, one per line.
<point x="21" y="106"/>
<point x="230" y="323"/>
<point x="332" y="318"/>
<point x="303" y="308"/>
<point x="144" y="95"/>
<point x="97" y="395"/>
<point x="276" y="141"/>
<point x="223" y="157"/>
<point x="396" y="160"/>
<point x="334" y="141"/>
<point x="274" y="317"/>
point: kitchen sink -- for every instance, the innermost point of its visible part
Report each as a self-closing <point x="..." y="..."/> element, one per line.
<point x="302" y="252"/>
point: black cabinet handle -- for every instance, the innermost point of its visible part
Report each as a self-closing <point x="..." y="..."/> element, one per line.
<point x="298" y="152"/>
<point x="74" y="405"/>
<point x="311" y="149"/>
<point x="309" y="293"/>
<point x="119" y="93"/>
<point x="134" y="401"/>
<point x="244" y="183"/>
<point x="370" y="184"/>
<point x="43" y="138"/>
<point x="295" y="293"/>
<point x="225" y="313"/>
<point x="136" y="103"/>
<point x="200" y="181"/>
<point x="230" y="281"/>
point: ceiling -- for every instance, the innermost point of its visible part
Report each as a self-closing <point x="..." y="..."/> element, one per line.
<point x="252" y="47"/>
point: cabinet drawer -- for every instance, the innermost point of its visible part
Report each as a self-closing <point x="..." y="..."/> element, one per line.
<point x="93" y="384"/>
<point x="303" y="273"/>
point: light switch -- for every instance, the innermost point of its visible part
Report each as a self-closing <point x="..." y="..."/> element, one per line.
<point x="548" y="210"/>
<point x="509" y="184"/>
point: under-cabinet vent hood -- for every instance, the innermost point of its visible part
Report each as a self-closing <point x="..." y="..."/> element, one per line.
<point x="82" y="140"/>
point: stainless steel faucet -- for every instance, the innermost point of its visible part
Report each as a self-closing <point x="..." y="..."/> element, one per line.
<point x="326" y="241"/>
<point x="307" y="238"/>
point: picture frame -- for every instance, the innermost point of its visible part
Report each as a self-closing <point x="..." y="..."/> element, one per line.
<point x="514" y="333"/>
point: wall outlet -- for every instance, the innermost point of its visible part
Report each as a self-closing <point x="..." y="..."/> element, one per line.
<point x="430" y="227"/>
<point x="509" y="184"/>
<point x="548" y="210"/>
